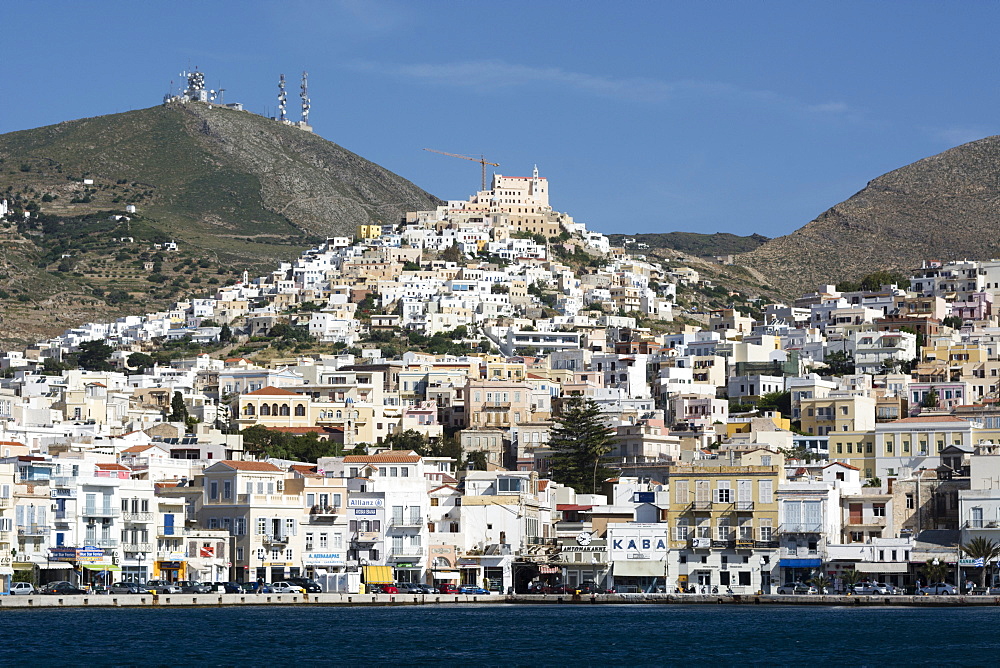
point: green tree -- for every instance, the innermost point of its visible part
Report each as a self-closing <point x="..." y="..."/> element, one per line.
<point x="409" y="439"/>
<point x="776" y="401"/>
<point x="94" y="355"/>
<point x="850" y="578"/>
<point x="821" y="582"/>
<point x="453" y="254"/>
<point x="953" y="321"/>
<point x="934" y="571"/>
<point x="985" y="549"/>
<point x="141" y="361"/>
<point x="838" y="363"/>
<point x="580" y="440"/>
<point x="930" y="400"/>
<point x="226" y="335"/>
<point x="178" y="409"/>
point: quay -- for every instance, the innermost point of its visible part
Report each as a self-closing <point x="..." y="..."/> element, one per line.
<point x="337" y="599"/>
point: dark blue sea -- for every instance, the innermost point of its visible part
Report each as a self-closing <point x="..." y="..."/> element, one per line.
<point x="502" y="635"/>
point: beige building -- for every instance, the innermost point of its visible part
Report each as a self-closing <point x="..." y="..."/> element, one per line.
<point x="821" y="416"/>
<point x="497" y="404"/>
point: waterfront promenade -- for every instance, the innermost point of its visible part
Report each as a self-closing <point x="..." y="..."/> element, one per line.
<point x="333" y="599"/>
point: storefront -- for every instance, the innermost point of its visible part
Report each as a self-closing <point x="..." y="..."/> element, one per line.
<point x="378" y="575"/>
<point x="638" y="552"/>
<point x="171" y="571"/>
<point x="798" y="570"/>
<point x="323" y="563"/>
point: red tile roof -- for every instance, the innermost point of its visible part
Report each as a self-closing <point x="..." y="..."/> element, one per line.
<point x="929" y="418"/>
<point x="387" y="457"/>
<point x="113" y="467"/>
<point x="250" y="466"/>
<point x="271" y="391"/>
<point x="572" y="506"/>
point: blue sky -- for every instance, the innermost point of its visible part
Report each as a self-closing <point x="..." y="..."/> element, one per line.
<point x="646" y="116"/>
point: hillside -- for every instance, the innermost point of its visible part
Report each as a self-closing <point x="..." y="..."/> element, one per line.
<point x="695" y="243"/>
<point x="233" y="189"/>
<point x="942" y="207"/>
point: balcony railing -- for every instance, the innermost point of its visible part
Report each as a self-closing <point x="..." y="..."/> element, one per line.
<point x="137" y="547"/>
<point x="745" y="544"/>
<point x="700" y="505"/>
<point x="981" y="524"/>
<point x="744" y="506"/>
<point x="321" y="511"/>
<point x="5" y="502"/>
<point x="102" y="542"/>
<point x="274" y="539"/>
<point x="869" y="521"/>
<point x="406" y="553"/>
<point x="407" y="521"/>
<point x="91" y="511"/>
<point x="33" y="530"/>
<point x="137" y="517"/>
<point x="800" y="527"/>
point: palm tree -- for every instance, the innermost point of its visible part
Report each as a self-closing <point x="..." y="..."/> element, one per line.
<point x="821" y="582"/>
<point x="934" y="571"/>
<point x="850" y="578"/>
<point x="985" y="549"/>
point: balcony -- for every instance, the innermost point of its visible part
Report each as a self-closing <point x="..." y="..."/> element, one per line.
<point x="137" y="517"/>
<point x="33" y="530"/>
<point x="765" y="545"/>
<point x="5" y="502"/>
<point x="700" y="505"/>
<point x="497" y="406"/>
<point x="800" y="527"/>
<point x="406" y="553"/>
<point x="103" y="542"/>
<point x="866" y="522"/>
<point x="723" y="544"/>
<point x="325" y="512"/>
<point x="980" y="524"/>
<point x="699" y="543"/>
<point x="269" y="539"/>
<point x="368" y="537"/>
<point x="744" y="506"/>
<point x="413" y="522"/>
<point x="745" y="544"/>
<point x="91" y="511"/>
<point x="137" y="547"/>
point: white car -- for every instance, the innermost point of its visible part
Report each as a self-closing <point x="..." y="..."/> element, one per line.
<point x="876" y="588"/>
<point x="287" y="588"/>
<point x="938" y="588"/>
<point x="22" y="589"/>
<point x="797" y="588"/>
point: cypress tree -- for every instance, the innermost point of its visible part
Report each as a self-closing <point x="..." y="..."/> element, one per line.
<point x="580" y="441"/>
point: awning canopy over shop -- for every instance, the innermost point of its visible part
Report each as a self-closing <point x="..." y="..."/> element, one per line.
<point x="641" y="569"/>
<point x="880" y="567"/>
<point x="102" y="567"/>
<point x="801" y="563"/>
<point x="55" y="564"/>
<point x="379" y="575"/>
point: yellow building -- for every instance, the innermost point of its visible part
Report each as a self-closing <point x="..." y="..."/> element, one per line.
<point x="822" y="416"/>
<point x="369" y="231"/>
<point x="722" y="521"/>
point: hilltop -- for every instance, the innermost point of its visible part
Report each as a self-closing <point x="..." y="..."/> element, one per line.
<point x="233" y="189"/>
<point x="942" y="207"/>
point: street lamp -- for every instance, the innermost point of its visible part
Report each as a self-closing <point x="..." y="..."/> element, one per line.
<point x="139" y="556"/>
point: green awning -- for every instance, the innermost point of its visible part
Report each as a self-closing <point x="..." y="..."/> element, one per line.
<point x="102" y="567"/>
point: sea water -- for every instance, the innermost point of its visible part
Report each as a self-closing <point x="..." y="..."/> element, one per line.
<point x="501" y="635"/>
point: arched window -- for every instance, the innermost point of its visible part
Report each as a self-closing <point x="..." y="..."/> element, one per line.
<point x="248" y="410"/>
<point x="274" y="409"/>
<point x="265" y="409"/>
<point x="300" y="410"/>
<point x="284" y="409"/>
<point x="340" y="414"/>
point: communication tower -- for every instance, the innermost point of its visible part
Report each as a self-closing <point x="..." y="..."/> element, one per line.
<point x="282" y="98"/>
<point x="305" y="98"/>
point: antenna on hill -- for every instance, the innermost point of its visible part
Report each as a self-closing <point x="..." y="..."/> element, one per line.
<point x="282" y="97"/>
<point x="305" y="98"/>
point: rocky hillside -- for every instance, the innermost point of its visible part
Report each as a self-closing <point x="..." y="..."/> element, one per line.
<point x="233" y="189"/>
<point x="943" y="207"/>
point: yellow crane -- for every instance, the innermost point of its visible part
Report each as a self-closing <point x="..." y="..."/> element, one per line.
<point x="481" y="160"/>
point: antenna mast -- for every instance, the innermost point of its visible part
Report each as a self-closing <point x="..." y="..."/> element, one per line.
<point x="281" y="98"/>
<point x="305" y="98"/>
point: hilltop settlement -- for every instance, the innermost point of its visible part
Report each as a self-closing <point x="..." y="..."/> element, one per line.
<point x="489" y="394"/>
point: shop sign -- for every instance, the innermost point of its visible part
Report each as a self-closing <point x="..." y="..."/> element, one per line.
<point x="369" y="536"/>
<point x="323" y="559"/>
<point x="364" y="503"/>
<point x="468" y="562"/>
<point x="405" y="564"/>
<point x="62" y="554"/>
<point x="584" y="548"/>
<point x="365" y="511"/>
<point x="90" y="555"/>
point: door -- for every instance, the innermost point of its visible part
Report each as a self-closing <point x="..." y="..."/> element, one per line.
<point x="854" y="513"/>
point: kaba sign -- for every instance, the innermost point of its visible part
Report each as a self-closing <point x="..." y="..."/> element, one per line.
<point x="639" y="544"/>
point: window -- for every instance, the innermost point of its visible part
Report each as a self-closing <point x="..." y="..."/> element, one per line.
<point x="309" y="542"/>
<point x="508" y="485"/>
<point x="227" y="489"/>
<point x="765" y="491"/>
<point x="213" y="490"/>
<point x="766" y="529"/>
<point x="681" y="529"/>
<point x="909" y="501"/>
<point x="261" y="525"/>
<point x="681" y="493"/>
<point x="723" y="494"/>
<point x="878" y="510"/>
<point x="323" y="538"/>
<point x="765" y="460"/>
<point x="722" y="528"/>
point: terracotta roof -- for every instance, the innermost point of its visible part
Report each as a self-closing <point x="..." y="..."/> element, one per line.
<point x="11" y="443"/>
<point x="113" y="467"/>
<point x="846" y="466"/>
<point x="303" y="468"/>
<point x="451" y="487"/>
<point x="250" y="466"/>
<point x="137" y="448"/>
<point x="929" y="418"/>
<point x="97" y="385"/>
<point x="542" y="485"/>
<point x="572" y="506"/>
<point x="271" y="391"/>
<point x="387" y="457"/>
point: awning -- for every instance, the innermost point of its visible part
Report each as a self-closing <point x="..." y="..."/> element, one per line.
<point x="549" y="569"/>
<point x="55" y="564"/>
<point x="880" y="567"/>
<point x="379" y="575"/>
<point x="102" y="567"/>
<point x="6" y="570"/>
<point x="800" y="563"/>
<point x="641" y="568"/>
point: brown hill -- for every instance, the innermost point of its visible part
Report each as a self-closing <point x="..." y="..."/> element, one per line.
<point x="943" y="207"/>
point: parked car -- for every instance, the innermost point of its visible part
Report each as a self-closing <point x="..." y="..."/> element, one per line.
<point x="447" y="588"/>
<point x="162" y="587"/>
<point x="874" y="588"/>
<point x="287" y="588"/>
<point x="21" y="589"/>
<point x="797" y="588"/>
<point x="938" y="588"/>
<point x="308" y="584"/>
<point x="410" y="588"/>
<point x="382" y="588"/>
<point x="228" y="587"/>
<point x="62" y="588"/>
<point x="127" y="588"/>
<point x="193" y="587"/>
<point x="472" y="589"/>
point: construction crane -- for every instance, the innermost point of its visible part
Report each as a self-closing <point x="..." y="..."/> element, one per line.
<point x="481" y="160"/>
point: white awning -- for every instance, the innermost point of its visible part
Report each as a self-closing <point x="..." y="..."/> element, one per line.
<point x="55" y="564"/>
<point x="641" y="568"/>
<point x="880" y="567"/>
<point x="6" y="570"/>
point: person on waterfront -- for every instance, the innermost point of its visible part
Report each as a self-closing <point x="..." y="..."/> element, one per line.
<point x="968" y="586"/>
<point x="260" y="585"/>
